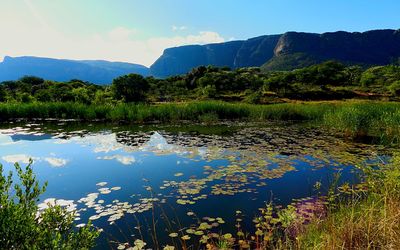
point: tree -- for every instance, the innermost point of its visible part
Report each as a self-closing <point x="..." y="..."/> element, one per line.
<point x="44" y="95"/>
<point x="22" y="226"/>
<point x="395" y="88"/>
<point x="32" y="80"/>
<point x="81" y="95"/>
<point x="130" y="88"/>
<point x="3" y="94"/>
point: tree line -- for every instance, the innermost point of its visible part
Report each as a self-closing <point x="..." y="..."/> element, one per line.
<point x="329" y="80"/>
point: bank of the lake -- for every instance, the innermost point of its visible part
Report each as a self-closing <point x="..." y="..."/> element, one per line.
<point x="366" y="220"/>
<point x="375" y="119"/>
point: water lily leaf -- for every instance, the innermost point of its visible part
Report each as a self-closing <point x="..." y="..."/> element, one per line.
<point x="185" y="237"/>
<point x="173" y="235"/>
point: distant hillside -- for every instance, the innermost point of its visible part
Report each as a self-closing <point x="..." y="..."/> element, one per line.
<point x="100" y="72"/>
<point x="176" y="61"/>
<point x="285" y="52"/>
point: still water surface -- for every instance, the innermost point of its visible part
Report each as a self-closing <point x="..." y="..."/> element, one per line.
<point x="117" y="175"/>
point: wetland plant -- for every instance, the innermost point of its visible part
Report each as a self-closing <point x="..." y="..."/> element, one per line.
<point x="24" y="226"/>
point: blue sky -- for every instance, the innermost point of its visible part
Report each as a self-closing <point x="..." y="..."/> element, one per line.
<point x="138" y="31"/>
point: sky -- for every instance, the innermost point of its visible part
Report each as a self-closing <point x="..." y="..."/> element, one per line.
<point x="138" y="31"/>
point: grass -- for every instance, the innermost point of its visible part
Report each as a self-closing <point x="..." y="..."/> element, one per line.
<point x="353" y="118"/>
<point x="377" y="119"/>
<point x="371" y="221"/>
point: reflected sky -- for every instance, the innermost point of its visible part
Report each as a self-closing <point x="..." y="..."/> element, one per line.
<point x="111" y="176"/>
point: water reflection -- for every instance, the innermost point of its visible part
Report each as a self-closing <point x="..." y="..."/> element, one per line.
<point x="110" y="175"/>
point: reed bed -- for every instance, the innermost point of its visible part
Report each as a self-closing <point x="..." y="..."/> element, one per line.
<point x="352" y="118"/>
<point x="368" y="221"/>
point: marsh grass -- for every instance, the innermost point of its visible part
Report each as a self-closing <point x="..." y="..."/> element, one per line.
<point x="369" y="221"/>
<point x="354" y="119"/>
<point x="377" y="119"/>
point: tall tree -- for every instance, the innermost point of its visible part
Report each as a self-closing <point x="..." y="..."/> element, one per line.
<point x="130" y="88"/>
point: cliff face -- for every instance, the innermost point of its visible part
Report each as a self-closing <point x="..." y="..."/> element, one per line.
<point x="284" y="52"/>
<point x="180" y="60"/>
<point x="100" y="72"/>
<point x="256" y="51"/>
<point x="236" y="54"/>
<point x="377" y="47"/>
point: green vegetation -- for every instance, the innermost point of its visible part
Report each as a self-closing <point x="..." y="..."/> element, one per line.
<point x="23" y="226"/>
<point x="368" y="220"/>
<point x="130" y="88"/>
<point x="355" y="119"/>
<point x="326" y="81"/>
<point x="133" y="98"/>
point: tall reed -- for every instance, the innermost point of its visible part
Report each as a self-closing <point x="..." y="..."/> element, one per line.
<point x="353" y="118"/>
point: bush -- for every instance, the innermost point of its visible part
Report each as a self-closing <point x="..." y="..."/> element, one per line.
<point x="253" y="98"/>
<point x="394" y="88"/>
<point x="130" y="88"/>
<point x="22" y="226"/>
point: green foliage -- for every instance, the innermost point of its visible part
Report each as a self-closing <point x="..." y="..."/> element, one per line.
<point x="3" y="94"/>
<point x="208" y="91"/>
<point x="208" y="118"/>
<point x="81" y="95"/>
<point x="380" y="76"/>
<point x="22" y="226"/>
<point x="32" y="80"/>
<point x="325" y="81"/>
<point x="394" y="88"/>
<point x="378" y="120"/>
<point x="366" y="220"/>
<point x="289" y="62"/>
<point x="366" y="119"/>
<point x="130" y="88"/>
<point x="253" y="98"/>
<point x="31" y="89"/>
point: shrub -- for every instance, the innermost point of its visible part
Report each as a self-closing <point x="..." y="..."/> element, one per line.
<point x="394" y="88"/>
<point x="22" y="226"/>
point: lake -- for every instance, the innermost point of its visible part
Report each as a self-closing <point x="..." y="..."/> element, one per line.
<point x="140" y="181"/>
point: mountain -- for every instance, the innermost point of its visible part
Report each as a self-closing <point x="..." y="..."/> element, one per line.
<point x="285" y="52"/>
<point x="376" y="47"/>
<point x="180" y="60"/>
<point x="94" y="71"/>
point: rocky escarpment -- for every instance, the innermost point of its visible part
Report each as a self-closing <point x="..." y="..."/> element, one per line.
<point x="284" y="52"/>
<point x="236" y="54"/>
<point x="256" y="51"/>
<point x="377" y="47"/>
<point x="180" y="60"/>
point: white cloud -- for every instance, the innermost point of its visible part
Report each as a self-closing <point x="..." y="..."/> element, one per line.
<point x="126" y="160"/>
<point x="119" y="44"/>
<point x="20" y="158"/>
<point x="24" y="159"/>
<point x="178" y="28"/>
<point x="121" y="33"/>
<point x="26" y="31"/>
<point x="56" y="162"/>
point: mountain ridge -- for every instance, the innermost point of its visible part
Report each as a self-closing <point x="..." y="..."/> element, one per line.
<point x="95" y="71"/>
<point x="286" y="51"/>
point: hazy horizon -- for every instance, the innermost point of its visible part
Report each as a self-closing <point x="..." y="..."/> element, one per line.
<point x="138" y="32"/>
